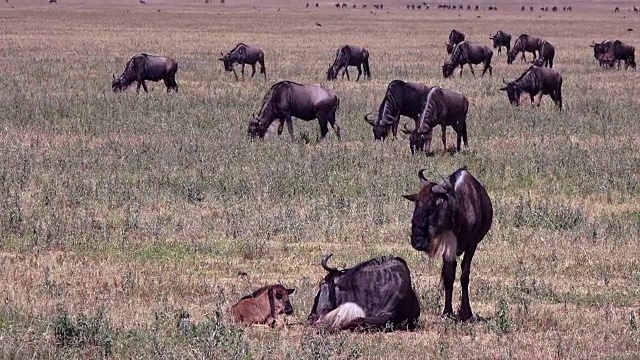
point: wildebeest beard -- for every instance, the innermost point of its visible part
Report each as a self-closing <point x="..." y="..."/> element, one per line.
<point x="128" y="76"/>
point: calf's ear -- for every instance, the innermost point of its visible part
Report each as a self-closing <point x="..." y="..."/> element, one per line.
<point x="291" y="291"/>
<point x="411" y="197"/>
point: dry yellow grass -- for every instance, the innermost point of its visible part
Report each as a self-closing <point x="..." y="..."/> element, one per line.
<point x="142" y="205"/>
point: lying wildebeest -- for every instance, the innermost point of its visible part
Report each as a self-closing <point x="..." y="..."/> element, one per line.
<point x="144" y="67"/>
<point x="349" y="55"/>
<point x="468" y="53"/>
<point x="619" y="50"/>
<point x="450" y="219"/>
<point x="244" y="54"/>
<point x="401" y="99"/>
<point x="263" y="306"/>
<point x="445" y="108"/>
<point x="524" y="43"/>
<point x="501" y="39"/>
<point x="306" y="102"/>
<point x="371" y="295"/>
<point x="546" y="55"/>
<point x="536" y="81"/>
<point x="455" y="38"/>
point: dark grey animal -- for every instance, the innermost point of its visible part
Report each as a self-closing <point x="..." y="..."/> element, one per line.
<point x="144" y="67"/>
<point x="455" y="38"/>
<point x="450" y="219"/>
<point x="468" y="53"/>
<point x="547" y="53"/>
<point x="501" y="39"/>
<point x="376" y="294"/>
<point x="244" y="54"/>
<point x="524" y="43"/>
<point x="349" y="55"/>
<point x="535" y="81"/>
<point x="288" y="99"/>
<point x="445" y="108"/>
<point x="401" y="99"/>
<point x="619" y="50"/>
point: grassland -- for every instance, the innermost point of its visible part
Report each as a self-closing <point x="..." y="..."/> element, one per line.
<point x="120" y="212"/>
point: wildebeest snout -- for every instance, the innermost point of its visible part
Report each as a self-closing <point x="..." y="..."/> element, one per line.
<point x="288" y="309"/>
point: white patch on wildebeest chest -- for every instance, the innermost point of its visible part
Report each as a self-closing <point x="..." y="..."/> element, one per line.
<point x="445" y="245"/>
<point x="342" y="315"/>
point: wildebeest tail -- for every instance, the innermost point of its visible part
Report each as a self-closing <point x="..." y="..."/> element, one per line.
<point x="365" y="63"/>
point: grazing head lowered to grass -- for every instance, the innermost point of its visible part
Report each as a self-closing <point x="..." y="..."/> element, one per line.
<point x="244" y="54"/>
<point x="450" y="219"/>
<point x="147" y="67"/>
<point x="263" y="305"/>
<point x="535" y="80"/>
<point x="349" y="55"/>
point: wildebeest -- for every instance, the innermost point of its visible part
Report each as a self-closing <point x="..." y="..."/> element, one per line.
<point x="522" y="9"/>
<point x="524" y="43"/>
<point x="263" y="306"/>
<point x="401" y="99"/>
<point x="554" y="9"/>
<point x="244" y="54"/>
<point x="288" y="99"/>
<point x="617" y="9"/>
<point x="371" y="295"/>
<point x="607" y="59"/>
<point x="530" y="8"/>
<point x="455" y="37"/>
<point x="546" y="55"/>
<point x="619" y="50"/>
<point x="450" y="219"/>
<point x="445" y="108"/>
<point x="53" y="1"/>
<point x="349" y="55"/>
<point x="144" y="67"/>
<point x="536" y="81"/>
<point x="468" y="53"/>
<point x="501" y="39"/>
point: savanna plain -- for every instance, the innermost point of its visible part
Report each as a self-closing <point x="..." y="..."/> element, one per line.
<point x="122" y="213"/>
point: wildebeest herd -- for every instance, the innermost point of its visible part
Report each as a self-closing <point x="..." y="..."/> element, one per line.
<point x="450" y="217"/>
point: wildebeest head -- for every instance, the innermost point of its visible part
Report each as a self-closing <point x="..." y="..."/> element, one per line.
<point x="514" y="91"/>
<point x="227" y="61"/>
<point x="511" y="56"/>
<point x="434" y="215"/>
<point x="380" y="131"/>
<point x="448" y="68"/>
<point x="279" y="299"/>
<point x="332" y="73"/>
<point x="116" y="83"/>
<point x="256" y="128"/>
<point x="600" y="48"/>
<point x="325" y="300"/>
<point x="417" y="139"/>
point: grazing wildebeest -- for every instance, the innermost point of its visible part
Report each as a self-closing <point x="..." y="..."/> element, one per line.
<point x="569" y="8"/>
<point x="244" y="54"/>
<point x="349" y="55"/>
<point x="401" y="99"/>
<point x="445" y="108"/>
<point x="476" y="8"/>
<point x="450" y="219"/>
<point x="546" y="55"/>
<point x="371" y="295"/>
<point x="468" y="53"/>
<point x="524" y="43"/>
<point x="535" y="81"/>
<point x="530" y="8"/>
<point x="144" y="67"/>
<point x="263" y="306"/>
<point x="288" y="99"/>
<point x="455" y="37"/>
<point x="501" y="39"/>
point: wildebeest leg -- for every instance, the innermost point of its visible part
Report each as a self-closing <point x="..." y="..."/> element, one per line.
<point x="138" y="87"/>
<point x="465" y="313"/>
<point x="253" y="69"/>
<point x="324" y="129"/>
<point x="539" y="99"/>
<point x="346" y="71"/>
<point x="448" y="276"/>
<point x="235" y="73"/>
<point x="289" y="122"/>
<point x="242" y="71"/>
<point x="532" y="96"/>
<point x="444" y="137"/>
<point x="359" y="72"/>
<point x="473" y="72"/>
<point x="461" y="65"/>
<point x="280" y="127"/>
<point x="263" y="70"/>
<point x="144" y="86"/>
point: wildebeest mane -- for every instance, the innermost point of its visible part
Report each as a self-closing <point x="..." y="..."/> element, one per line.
<point x="432" y="106"/>
<point x="256" y="293"/>
<point x="267" y="101"/>
<point x="390" y="106"/>
<point x="236" y="48"/>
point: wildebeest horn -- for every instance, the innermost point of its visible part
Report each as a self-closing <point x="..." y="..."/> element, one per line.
<point x="324" y="263"/>
<point x="504" y="81"/>
<point x="368" y="119"/>
<point x="113" y="75"/>
<point x="421" y="175"/>
<point x="253" y="114"/>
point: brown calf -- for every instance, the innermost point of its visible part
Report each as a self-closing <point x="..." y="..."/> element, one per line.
<point x="263" y="305"/>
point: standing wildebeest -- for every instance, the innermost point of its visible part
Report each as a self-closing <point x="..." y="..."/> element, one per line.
<point x="536" y="81"/>
<point x="445" y="108"/>
<point x="288" y="99"/>
<point x="244" y="54"/>
<point x="524" y="43"/>
<point x="618" y="49"/>
<point x="401" y="99"/>
<point x="468" y="53"/>
<point x="455" y="38"/>
<point x="263" y="306"/>
<point x="530" y="8"/>
<point x="349" y="55"/>
<point x="147" y="67"/>
<point x="501" y="39"/>
<point x="450" y="219"/>
<point x="368" y="296"/>
<point x="547" y="53"/>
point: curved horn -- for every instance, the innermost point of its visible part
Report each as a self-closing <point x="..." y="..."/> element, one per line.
<point x="421" y="175"/>
<point x="324" y="263"/>
<point x="504" y="81"/>
<point x="405" y="130"/>
<point x="368" y="119"/>
<point x="113" y="75"/>
<point x="253" y="114"/>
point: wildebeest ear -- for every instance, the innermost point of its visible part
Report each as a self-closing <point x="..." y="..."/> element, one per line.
<point x="411" y="197"/>
<point x="291" y="291"/>
<point x="221" y="59"/>
<point x="503" y="89"/>
<point x="438" y="190"/>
